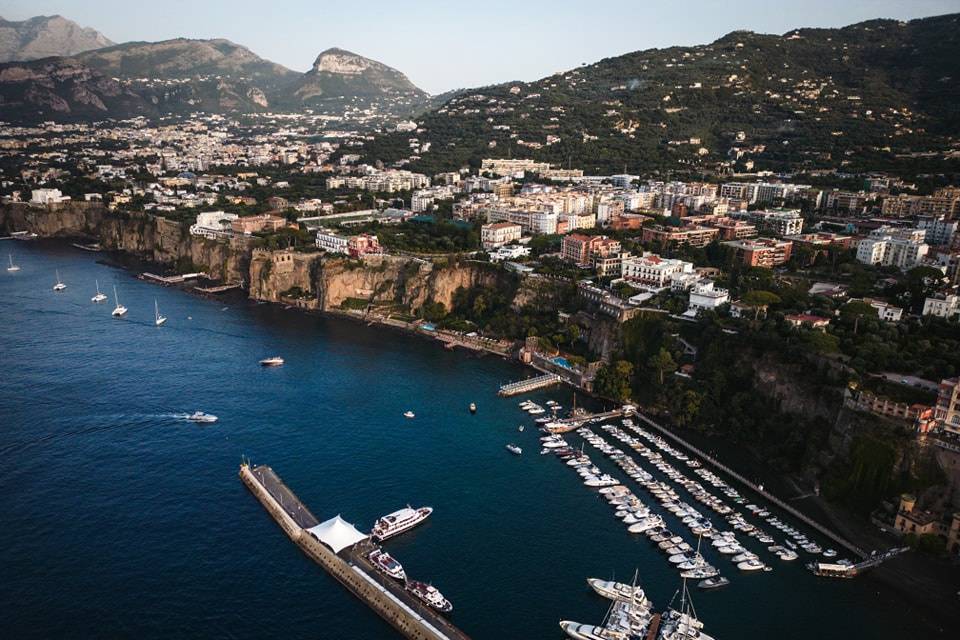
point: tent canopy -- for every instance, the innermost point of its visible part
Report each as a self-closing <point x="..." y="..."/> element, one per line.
<point x="337" y="533"/>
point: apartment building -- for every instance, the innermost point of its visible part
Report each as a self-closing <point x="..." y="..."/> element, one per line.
<point x="213" y="225"/>
<point x="946" y="413"/>
<point x="888" y="246"/>
<point x="532" y="222"/>
<point x="943" y="307"/>
<point x="693" y="236"/>
<point x="264" y="223"/>
<point x="780" y="222"/>
<point x="498" y="234"/>
<point x="762" y="252"/>
<point x="581" y="249"/>
<point x="903" y="205"/>
<point x="652" y="271"/>
<point x="938" y="229"/>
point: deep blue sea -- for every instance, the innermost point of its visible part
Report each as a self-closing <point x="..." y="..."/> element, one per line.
<point x="119" y="519"/>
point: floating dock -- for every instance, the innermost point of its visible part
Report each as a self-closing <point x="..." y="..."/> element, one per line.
<point x="168" y="280"/>
<point x="837" y="570"/>
<point x="386" y="596"/>
<point x="530" y="384"/>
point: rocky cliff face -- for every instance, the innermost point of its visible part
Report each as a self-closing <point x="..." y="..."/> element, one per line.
<point x="147" y="237"/>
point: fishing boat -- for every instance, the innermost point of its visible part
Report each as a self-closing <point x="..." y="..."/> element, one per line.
<point x="59" y="286"/>
<point x="12" y="266"/>
<point x="118" y="310"/>
<point x="514" y="449"/>
<point x="473" y="408"/>
<point x="429" y="594"/>
<point x="200" y="416"/>
<point x="409" y="414"/>
<point x="273" y="361"/>
<point x="100" y="296"/>
<point x="385" y="563"/>
<point x="399" y="521"/>
<point x="157" y="318"/>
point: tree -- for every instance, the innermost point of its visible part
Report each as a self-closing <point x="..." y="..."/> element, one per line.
<point x="662" y="362"/>
<point x="758" y="299"/>
<point x="857" y="309"/>
<point x="613" y="380"/>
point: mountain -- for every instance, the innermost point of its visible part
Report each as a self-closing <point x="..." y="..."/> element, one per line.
<point x="341" y="79"/>
<point x="865" y="95"/>
<point x="45" y="36"/>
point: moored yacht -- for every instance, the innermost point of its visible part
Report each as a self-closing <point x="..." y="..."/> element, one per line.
<point x="59" y="286"/>
<point x="385" y="563"/>
<point x="12" y="266"/>
<point x="580" y="631"/>
<point x="273" y="361"/>
<point x="409" y="414"/>
<point x="399" y="521"/>
<point x="100" y="296"/>
<point x="514" y="449"/>
<point x="118" y="310"/>
<point x="617" y="591"/>
<point x="157" y="318"/>
<point x="429" y="594"/>
<point x="473" y="407"/>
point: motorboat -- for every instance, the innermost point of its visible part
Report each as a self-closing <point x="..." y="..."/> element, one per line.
<point x="119" y="310"/>
<point x="713" y="583"/>
<point x="579" y="631"/>
<point x="399" y="521"/>
<point x="100" y="296"/>
<point x="473" y="407"/>
<point x="430" y="595"/>
<point x="273" y="361"/>
<point x="752" y="564"/>
<point x="617" y="591"/>
<point x="200" y="416"/>
<point x="514" y="449"/>
<point x="409" y="414"/>
<point x="385" y="563"/>
<point x="59" y="286"/>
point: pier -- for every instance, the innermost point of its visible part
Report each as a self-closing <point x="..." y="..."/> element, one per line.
<point x="349" y="566"/>
<point x="168" y="280"/>
<point x="219" y="289"/>
<point x="813" y="524"/>
<point x="832" y="570"/>
<point x="530" y="384"/>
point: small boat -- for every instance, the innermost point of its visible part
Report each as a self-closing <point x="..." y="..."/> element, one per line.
<point x="409" y="414"/>
<point x="100" y="297"/>
<point x="157" y="318"/>
<point x="830" y="553"/>
<point x="200" y="416"/>
<point x="12" y="266"/>
<point x="273" y="361"/>
<point x="119" y="310"/>
<point x="512" y="448"/>
<point x="473" y="408"/>
<point x="520" y="428"/>
<point x="429" y="594"/>
<point x="385" y="563"/>
<point x="713" y="583"/>
<point x="59" y="286"/>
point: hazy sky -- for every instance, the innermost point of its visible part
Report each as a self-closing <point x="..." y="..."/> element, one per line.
<point x="442" y="45"/>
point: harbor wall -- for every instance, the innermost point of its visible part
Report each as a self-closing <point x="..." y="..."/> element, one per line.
<point x="404" y="621"/>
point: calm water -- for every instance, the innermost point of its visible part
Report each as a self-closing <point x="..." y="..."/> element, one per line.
<point x="120" y="519"/>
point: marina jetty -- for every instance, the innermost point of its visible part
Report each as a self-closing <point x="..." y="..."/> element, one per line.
<point x="342" y="551"/>
<point x="530" y="384"/>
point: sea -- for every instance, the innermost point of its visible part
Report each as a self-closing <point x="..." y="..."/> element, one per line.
<point x="119" y="518"/>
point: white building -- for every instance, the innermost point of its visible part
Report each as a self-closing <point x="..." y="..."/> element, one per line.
<point x="421" y="202"/>
<point x="653" y="271"/>
<point x="213" y="224"/>
<point x="886" y="246"/>
<point x="47" y="196"/>
<point x="498" y="234"/>
<point x="531" y="222"/>
<point x="332" y="243"/>
<point x="887" y="312"/>
<point x="707" y="296"/>
<point x="937" y="229"/>
<point x="945" y="307"/>
<point x="511" y="252"/>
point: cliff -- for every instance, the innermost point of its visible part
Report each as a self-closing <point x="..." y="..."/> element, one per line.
<point x="144" y="236"/>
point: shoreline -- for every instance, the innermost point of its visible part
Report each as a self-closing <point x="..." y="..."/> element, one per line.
<point x="907" y="587"/>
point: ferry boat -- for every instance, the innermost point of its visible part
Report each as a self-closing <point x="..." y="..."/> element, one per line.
<point x="200" y="416"/>
<point x="429" y="594"/>
<point x="273" y="361"/>
<point x="385" y="563"/>
<point x="399" y="521"/>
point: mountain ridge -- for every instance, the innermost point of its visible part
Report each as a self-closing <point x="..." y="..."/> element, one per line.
<point x="44" y="36"/>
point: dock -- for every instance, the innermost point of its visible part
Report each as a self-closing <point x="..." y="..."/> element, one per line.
<point x="168" y="280"/>
<point x="837" y="570"/>
<point x="349" y="566"/>
<point x="219" y="289"/>
<point x="528" y="385"/>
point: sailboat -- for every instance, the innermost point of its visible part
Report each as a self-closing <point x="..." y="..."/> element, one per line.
<point x="157" y="318"/>
<point x="12" y="266"/>
<point x="682" y="624"/>
<point x="100" y="297"/>
<point x="119" y="310"/>
<point x="59" y="286"/>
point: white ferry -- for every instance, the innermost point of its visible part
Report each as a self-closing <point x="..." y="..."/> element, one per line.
<point x="385" y="563"/>
<point x="399" y="521"/>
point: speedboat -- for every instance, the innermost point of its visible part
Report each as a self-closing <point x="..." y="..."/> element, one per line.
<point x="473" y="407"/>
<point x="409" y="414"/>
<point x="512" y="448"/>
<point x="385" y="563"/>
<point x="751" y="565"/>
<point x="429" y="594"/>
<point x="273" y="361"/>
<point x="200" y="416"/>
<point x="830" y="553"/>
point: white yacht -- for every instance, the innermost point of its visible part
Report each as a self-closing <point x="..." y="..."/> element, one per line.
<point x="100" y="297"/>
<point x="273" y="361"/>
<point x="514" y="449"/>
<point x="429" y="594"/>
<point x="118" y="310"/>
<point x="12" y="266"/>
<point x="681" y="624"/>
<point x="157" y="318"/>
<point x="616" y="590"/>
<point x="409" y="414"/>
<point x="385" y="563"/>
<point x="399" y="521"/>
<point x="59" y="286"/>
<point x="200" y="416"/>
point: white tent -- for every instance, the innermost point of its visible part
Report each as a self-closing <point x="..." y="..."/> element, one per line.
<point x="337" y="533"/>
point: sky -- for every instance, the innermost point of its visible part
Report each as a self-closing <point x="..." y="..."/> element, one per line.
<point x="442" y="45"/>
